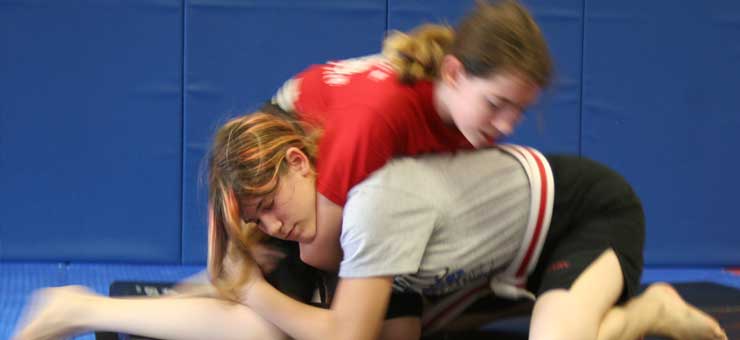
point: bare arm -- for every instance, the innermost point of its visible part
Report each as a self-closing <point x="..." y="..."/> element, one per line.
<point x="325" y="251"/>
<point x="357" y="311"/>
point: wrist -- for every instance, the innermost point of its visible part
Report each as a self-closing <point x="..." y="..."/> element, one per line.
<point x="253" y="292"/>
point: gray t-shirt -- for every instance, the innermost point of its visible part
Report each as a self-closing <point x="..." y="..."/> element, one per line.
<point x="437" y="222"/>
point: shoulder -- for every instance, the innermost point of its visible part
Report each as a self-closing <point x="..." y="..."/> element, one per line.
<point x="400" y="182"/>
<point x="398" y="195"/>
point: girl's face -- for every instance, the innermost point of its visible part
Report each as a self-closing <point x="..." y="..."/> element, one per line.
<point x="483" y="109"/>
<point x="289" y="213"/>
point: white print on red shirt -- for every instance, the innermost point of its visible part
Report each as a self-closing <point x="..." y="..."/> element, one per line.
<point x="337" y="73"/>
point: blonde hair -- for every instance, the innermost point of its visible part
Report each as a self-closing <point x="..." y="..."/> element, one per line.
<point x="245" y="161"/>
<point x="495" y="36"/>
<point x="418" y="55"/>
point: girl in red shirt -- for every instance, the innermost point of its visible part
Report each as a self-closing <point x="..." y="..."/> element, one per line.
<point x="433" y="90"/>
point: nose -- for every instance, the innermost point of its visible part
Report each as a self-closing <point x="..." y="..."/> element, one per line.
<point x="270" y="224"/>
<point x="504" y="126"/>
<point x="505" y="122"/>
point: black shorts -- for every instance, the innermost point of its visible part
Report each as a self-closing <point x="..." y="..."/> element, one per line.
<point x="594" y="209"/>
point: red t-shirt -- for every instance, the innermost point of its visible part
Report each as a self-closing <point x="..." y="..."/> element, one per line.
<point x="368" y="117"/>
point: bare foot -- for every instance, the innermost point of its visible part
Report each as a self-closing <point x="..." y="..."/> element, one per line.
<point x="678" y="319"/>
<point x="50" y="314"/>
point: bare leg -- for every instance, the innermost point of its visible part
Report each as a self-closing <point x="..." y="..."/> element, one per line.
<point x="61" y="312"/>
<point x="402" y="328"/>
<point x="587" y="310"/>
<point x="576" y="314"/>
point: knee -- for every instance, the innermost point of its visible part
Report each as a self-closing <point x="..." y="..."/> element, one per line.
<point x="559" y="316"/>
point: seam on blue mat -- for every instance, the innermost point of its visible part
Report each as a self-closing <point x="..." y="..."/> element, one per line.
<point x="580" y="88"/>
<point x="183" y="106"/>
<point x="387" y="16"/>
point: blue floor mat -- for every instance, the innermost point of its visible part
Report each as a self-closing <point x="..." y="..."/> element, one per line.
<point x="18" y="280"/>
<point x="677" y="275"/>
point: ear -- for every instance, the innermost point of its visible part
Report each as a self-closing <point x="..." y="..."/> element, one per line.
<point x="298" y="161"/>
<point x="451" y="70"/>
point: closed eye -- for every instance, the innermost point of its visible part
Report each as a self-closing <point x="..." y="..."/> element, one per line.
<point x="265" y="204"/>
<point x="252" y="220"/>
<point x="501" y="103"/>
<point x="494" y="105"/>
<point x="269" y="205"/>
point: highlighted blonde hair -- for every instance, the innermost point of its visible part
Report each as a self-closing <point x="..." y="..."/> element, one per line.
<point x="246" y="161"/>
<point x="495" y="36"/>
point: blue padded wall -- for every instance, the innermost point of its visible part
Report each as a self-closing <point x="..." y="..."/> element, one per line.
<point x="554" y="124"/>
<point x="90" y="130"/>
<point x="238" y="53"/>
<point x="107" y="108"/>
<point x="661" y="105"/>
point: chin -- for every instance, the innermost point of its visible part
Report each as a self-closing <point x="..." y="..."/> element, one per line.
<point x="307" y="237"/>
<point x="476" y="141"/>
<point x="480" y="144"/>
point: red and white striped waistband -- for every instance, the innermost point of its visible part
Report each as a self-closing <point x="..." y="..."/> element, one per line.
<point x="511" y="283"/>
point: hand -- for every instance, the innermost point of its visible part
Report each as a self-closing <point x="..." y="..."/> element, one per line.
<point x="237" y="261"/>
<point x="267" y="257"/>
<point x="234" y="269"/>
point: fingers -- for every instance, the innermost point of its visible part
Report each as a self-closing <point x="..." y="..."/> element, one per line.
<point x="267" y="257"/>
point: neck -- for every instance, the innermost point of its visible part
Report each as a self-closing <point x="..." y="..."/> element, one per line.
<point x="440" y="92"/>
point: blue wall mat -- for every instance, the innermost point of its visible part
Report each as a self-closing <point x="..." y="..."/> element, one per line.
<point x="553" y="124"/>
<point x="238" y="53"/>
<point x="661" y="105"/>
<point x="107" y="108"/>
<point x="90" y="130"/>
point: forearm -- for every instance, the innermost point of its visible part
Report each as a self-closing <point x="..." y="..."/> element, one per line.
<point x="298" y="320"/>
<point x="178" y="318"/>
<point x="304" y="322"/>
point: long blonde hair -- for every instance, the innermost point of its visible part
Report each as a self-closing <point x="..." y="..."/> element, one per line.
<point x="495" y="36"/>
<point x="245" y="161"/>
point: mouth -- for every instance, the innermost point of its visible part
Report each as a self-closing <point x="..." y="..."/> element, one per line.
<point x="488" y="137"/>
<point x="289" y="235"/>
